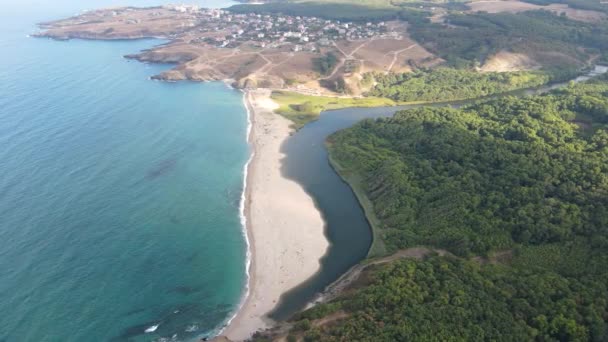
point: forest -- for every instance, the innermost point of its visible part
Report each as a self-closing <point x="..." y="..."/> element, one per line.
<point x="336" y="10"/>
<point x="471" y="38"/>
<point x="516" y="191"/>
<point x="326" y="63"/>
<point x="449" y="299"/>
<point x="445" y="84"/>
<point x="529" y="170"/>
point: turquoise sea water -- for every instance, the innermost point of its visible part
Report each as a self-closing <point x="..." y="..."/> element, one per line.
<point x="119" y="196"/>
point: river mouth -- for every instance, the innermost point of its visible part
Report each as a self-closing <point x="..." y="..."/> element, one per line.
<point x="346" y="226"/>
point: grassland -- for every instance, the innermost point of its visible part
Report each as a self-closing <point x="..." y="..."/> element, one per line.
<point x="302" y="109"/>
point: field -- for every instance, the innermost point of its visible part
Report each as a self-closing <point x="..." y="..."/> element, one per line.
<point x="498" y="6"/>
<point x="122" y="23"/>
<point x="302" y="109"/>
<point x="507" y="61"/>
<point x="389" y="55"/>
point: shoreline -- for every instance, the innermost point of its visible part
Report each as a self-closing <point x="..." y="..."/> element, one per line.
<point x="243" y="213"/>
<point x="284" y="230"/>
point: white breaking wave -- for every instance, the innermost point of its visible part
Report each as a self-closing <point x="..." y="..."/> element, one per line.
<point x="151" y="329"/>
<point x="243" y="217"/>
<point x="192" y="328"/>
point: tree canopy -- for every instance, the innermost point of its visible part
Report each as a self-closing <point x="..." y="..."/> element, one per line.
<point x="448" y="299"/>
<point x="529" y="170"/>
<point x="469" y="38"/>
<point x="445" y="84"/>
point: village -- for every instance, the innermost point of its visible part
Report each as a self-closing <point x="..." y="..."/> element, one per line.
<point x="223" y="28"/>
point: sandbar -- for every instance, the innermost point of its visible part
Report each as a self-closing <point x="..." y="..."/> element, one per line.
<point x="285" y="229"/>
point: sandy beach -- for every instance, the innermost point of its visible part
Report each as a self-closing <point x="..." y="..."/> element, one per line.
<point x="284" y="228"/>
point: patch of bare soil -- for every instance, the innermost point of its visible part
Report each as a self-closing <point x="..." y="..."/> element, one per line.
<point x="508" y="61"/>
<point x="553" y="58"/>
<point x="394" y="55"/>
<point x="585" y="126"/>
<point x="336" y="316"/>
<point x="438" y="16"/>
<point x="500" y="257"/>
<point x="296" y="66"/>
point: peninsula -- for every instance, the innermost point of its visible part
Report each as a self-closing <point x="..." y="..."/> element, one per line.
<point x="253" y="50"/>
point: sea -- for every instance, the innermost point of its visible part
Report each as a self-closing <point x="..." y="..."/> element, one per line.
<point x="120" y="197"/>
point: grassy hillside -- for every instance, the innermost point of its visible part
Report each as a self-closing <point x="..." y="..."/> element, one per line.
<point x="471" y="38"/>
<point x="590" y="5"/>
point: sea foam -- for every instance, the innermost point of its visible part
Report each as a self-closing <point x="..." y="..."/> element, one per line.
<point x="242" y="214"/>
<point x="151" y="329"/>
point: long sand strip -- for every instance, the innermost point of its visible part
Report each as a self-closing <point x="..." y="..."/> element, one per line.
<point x="285" y="229"/>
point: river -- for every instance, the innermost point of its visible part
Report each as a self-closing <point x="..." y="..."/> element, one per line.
<point x="346" y="225"/>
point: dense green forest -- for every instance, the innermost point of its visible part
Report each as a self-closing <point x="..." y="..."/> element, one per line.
<point x="338" y="10"/>
<point x="352" y="10"/>
<point x="529" y="170"/>
<point x="445" y="84"/>
<point x="448" y="299"/>
<point x="471" y="38"/>
<point x="521" y="182"/>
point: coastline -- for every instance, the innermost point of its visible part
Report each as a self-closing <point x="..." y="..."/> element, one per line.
<point x="243" y="211"/>
<point x="284" y="230"/>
